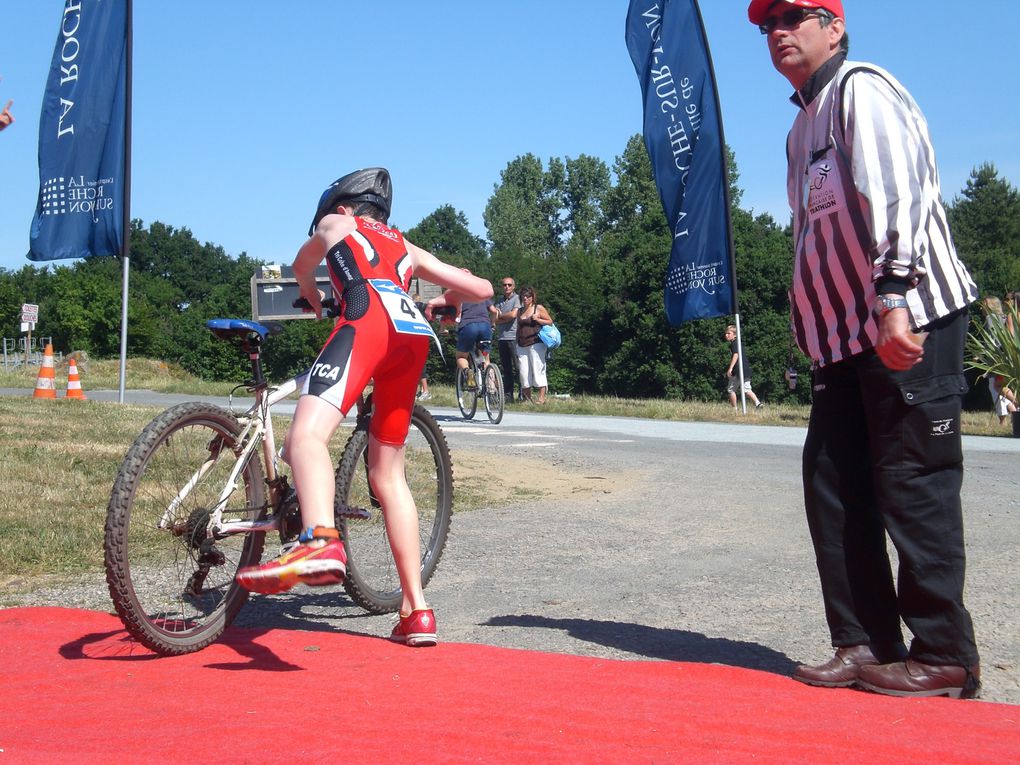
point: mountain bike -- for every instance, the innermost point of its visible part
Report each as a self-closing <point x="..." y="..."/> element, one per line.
<point x="203" y="485"/>
<point x="480" y="379"/>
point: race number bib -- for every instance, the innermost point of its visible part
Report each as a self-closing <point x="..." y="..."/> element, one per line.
<point x="825" y="188"/>
<point x="403" y="313"/>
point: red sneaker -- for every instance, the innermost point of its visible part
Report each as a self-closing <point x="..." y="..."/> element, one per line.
<point x="417" y="629"/>
<point x="306" y="564"/>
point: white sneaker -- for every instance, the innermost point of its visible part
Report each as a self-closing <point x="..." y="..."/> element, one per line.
<point x="424" y="396"/>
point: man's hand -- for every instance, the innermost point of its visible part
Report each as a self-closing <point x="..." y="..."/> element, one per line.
<point x="6" y="118"/>
<point x="898" y="347"/>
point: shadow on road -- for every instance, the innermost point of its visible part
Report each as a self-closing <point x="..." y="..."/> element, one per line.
<point x="658" y="643"/>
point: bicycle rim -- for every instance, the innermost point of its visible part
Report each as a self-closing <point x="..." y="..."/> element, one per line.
<point x="493" y="392"/>
<point x="173" y="589"/>
<point x="372" y="581"/>
<point x="467" y="399"/>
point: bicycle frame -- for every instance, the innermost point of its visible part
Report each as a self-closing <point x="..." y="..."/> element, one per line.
<point x="480" y="355"/>
<point x="257" y="429"/>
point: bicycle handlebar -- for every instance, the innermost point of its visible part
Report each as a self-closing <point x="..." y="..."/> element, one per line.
<point x="438" y="311"/>
<point x="330" y="309"/>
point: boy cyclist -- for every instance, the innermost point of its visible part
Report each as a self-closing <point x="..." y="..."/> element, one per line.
<point x="379" y="336"/>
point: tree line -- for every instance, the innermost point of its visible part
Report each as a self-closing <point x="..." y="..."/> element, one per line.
<point x="591" y="239"/>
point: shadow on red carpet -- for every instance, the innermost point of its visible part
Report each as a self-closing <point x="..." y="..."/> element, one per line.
<point x="77" y="689"/>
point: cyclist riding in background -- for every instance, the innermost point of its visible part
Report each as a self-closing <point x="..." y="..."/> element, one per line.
<point x="381" y="336"/>
<point x="475" y="327"/>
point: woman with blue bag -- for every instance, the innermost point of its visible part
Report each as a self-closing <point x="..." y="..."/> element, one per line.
<point x="531" y="351"/>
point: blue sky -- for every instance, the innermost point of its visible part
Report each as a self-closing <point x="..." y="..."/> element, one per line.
<point x="245" y="111"/>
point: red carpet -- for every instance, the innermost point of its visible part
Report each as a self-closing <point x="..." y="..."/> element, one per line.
<point x="77" y="689"/>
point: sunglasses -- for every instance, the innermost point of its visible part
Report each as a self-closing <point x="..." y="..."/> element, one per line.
<point x="508" y="284"/>
<point x="787" y="20"/>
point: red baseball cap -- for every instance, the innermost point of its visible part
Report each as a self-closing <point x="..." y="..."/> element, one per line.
<point x="758" y="10"/>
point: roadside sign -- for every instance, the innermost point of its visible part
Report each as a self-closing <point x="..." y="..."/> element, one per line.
<point x="29" y="312"/>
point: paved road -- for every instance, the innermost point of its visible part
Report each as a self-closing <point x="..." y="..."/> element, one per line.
<point x="630" y="538"/>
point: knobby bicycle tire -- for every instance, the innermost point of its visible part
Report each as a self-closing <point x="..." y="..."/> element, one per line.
<point x="372" y="580"/>
<point x="492" y="392"/>
<point x="174" y="589"/>
<point x="467" y="396"/>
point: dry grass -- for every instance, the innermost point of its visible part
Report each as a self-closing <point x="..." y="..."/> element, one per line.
<point x="60" y="460"/>
<point x="104" y="374"/>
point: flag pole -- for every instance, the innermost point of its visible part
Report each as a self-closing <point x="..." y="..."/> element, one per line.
<point x="125" y="247"/>
<point x="730" y="247"/>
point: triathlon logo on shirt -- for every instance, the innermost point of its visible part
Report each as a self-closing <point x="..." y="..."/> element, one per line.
<point x="825" y="191"/>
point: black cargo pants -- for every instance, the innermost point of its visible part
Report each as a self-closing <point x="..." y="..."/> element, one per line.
<point x="883" y="454"/>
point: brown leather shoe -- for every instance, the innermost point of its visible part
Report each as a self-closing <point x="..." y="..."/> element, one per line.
<point x="912" y="678"/>
<point x="840" y="671"/>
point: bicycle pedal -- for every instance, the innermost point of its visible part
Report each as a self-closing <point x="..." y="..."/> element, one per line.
<point x="354" y="513"/>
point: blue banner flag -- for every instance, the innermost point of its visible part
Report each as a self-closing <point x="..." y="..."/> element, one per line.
<point x="684" y="137"/>
<point x="82" y="131"/>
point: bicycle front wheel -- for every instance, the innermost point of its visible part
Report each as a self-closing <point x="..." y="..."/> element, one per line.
<point x="172" y="586"/>
<point x="372" y="580"/>
<point x="467" y="395"/>
<point x="493" y="393"/>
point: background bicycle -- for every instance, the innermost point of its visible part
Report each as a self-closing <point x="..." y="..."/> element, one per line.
<point x="480" y="379"/>
<point x="203" y="485"/>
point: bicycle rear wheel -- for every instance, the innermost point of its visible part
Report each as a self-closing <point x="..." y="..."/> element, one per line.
<point x="372" y="580"/>
<point x="467" y="395"/>
<point x="492" y="391"/>
<point x="172" y="587"/>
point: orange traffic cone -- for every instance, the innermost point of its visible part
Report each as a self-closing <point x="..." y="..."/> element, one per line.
<point x="73" y="382"/>
<point x="44" y="386"/>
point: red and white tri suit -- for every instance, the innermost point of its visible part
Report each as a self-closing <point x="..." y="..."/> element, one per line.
<point x="380" y="334"/>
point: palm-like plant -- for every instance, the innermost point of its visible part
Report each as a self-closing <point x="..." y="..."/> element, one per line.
<point x="994" y="348"/>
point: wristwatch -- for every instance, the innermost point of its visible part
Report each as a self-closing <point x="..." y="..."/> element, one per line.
<point x="887" y="303"/>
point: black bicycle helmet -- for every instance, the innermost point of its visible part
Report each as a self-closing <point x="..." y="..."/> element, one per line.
<point x="369" y="185"/>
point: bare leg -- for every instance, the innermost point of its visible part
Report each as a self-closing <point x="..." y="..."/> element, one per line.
<point x="754" y="398"/>
<point x="386" y="474"/>
<point x="307" y="452"/>
<point x="318" y="560"/>
<point x="541" y="394"/>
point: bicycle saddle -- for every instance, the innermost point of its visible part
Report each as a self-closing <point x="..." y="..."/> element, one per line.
<point x="231" y="328"/>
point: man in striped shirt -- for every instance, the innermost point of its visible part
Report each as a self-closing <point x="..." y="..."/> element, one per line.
<point x="878" y="302"/>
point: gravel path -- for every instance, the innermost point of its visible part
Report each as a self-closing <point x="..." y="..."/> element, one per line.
<point x="650" y="547"/>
